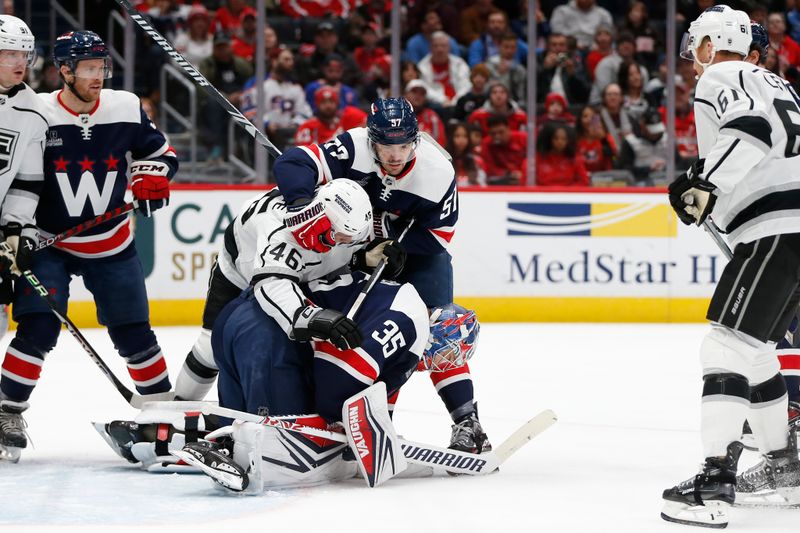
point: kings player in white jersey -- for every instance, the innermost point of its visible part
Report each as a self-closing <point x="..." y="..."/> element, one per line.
<point x="747" y="180"/>
<point x="99" y="142"/>
<point x="22" y="136"/>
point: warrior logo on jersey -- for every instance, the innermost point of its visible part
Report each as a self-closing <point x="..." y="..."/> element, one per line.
<point x="8" y="141"/>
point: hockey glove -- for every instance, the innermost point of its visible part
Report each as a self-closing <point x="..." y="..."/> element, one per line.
<point x="16" y="252"/>
<point x="150" y="185"/>
<point x="313" y="322"/>
<point x="368" y="257"/>
<point x="310" y="225"/>
<point x="692" y="197"/>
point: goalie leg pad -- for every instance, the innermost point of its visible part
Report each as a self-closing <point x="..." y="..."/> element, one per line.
<point x="371" y="435"/>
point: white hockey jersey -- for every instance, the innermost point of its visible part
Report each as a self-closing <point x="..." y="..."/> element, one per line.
<point x="23" y="129"/>
<point x="260" y="251"/>
<point x="748" y="131"/>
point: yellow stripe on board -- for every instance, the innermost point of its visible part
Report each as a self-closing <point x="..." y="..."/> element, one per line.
<point x="189" y="312"/>
<point x="654" y="221"/>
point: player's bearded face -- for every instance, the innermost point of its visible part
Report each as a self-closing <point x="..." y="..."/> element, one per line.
<point x="393" y="157"/>
<point x="88" y="78"/>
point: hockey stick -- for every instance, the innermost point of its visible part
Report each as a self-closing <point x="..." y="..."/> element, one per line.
<point x="136" y="400"/>
<point x="83" y="226"/>
<point x="373" y="279"/>
<point x="195" y="74"/>
<point x="454" y="461"/>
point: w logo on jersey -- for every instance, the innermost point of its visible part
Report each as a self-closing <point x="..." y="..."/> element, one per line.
<point x="75" y="201"/>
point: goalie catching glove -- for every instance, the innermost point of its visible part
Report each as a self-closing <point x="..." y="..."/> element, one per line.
<point x="692" y="197"/>
<point x="16" y="252"/>
<point x="379" y="249"/>
<point x="312" y="322"/>
<point x="150" y="185"/>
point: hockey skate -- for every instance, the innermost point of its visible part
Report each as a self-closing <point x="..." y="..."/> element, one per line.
<point x="13" y="437"/>
<point x="468" y="436"/>
<point x="216" y="461"/>
<point x="703" y="499"/>
<point x="121" y="435"/>
<point x="749" y="441"/>
<point x="774" y="481"/>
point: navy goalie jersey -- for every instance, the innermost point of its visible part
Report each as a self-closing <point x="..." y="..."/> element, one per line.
<point x="425" y="190"/>
<point x="86" y="162"/>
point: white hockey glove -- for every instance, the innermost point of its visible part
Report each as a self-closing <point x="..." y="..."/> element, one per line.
<point x="16" y="252"/>
<point x="312" y="322"/>
<point x="368" y="257"/>
<point x="692" y="197"/>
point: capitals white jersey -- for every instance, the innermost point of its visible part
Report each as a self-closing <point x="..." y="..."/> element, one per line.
<point x="260" y="251"/>
<point x="23" y="129"/>
<point x="748" y="131"/>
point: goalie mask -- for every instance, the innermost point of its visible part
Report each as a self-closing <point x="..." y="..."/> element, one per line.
<point x="453" y="338"/>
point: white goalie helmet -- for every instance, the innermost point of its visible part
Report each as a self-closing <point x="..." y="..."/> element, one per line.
<point x="348" y="208"/>
<point x="728" y="29"/>
<point x="16" y="36"/>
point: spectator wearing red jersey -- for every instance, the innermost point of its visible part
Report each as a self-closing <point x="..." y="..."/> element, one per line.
<point x="446" y="74"/>
<point x="244" y="43"/>
<point x="227" y="18"/>
<point x="787" y="48"/>
<point x="555" y="110"/>
<point x="557" y="161"/>
<point x="685" y="131"/>
<point x="316" y="8"/>
<point x="429" y="121"/>
<point x="594" y="143"/>
<point x="603" y="46"/>
<point x="369" y="57"/>
<point x="504" y="153"/>
<point x="328" y="121"/>
<point x="469" y="167"/>
<point x="499" y="102"/>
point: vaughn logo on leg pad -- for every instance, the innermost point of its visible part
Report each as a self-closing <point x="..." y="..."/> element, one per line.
<point x="358" y="437"/>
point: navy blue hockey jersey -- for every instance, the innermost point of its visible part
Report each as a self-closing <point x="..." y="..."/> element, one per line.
<point x="86" y="162"/>
<point x="426" y="190"/>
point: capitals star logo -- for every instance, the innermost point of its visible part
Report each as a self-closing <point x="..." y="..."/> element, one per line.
<point x="111" y="163"/>
<point x="86" y="164"/>
<point x="60" y="164"/>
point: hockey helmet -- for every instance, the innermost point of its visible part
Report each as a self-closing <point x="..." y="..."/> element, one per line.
<point x="348" y="208"/>
<point x="728" y="29"/>
<point x="760" y="40"/>
<point x="453" y="338"/>
<point x="75" y="46"/>
<point x="392" y="121"/>
<point x="16" y="36"/>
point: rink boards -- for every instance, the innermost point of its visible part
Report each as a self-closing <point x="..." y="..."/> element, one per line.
<point x="518" y="256"/>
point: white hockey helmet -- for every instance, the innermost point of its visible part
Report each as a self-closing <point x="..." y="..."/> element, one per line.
<point x="728" y="29"/>
<point x="15" y="35"/>
<point x="348" y="208"/>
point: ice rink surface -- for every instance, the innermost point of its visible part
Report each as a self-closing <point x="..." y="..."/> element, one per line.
<point x="627" y="397"/>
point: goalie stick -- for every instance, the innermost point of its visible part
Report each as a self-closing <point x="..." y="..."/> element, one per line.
<point x="454" y="461"/>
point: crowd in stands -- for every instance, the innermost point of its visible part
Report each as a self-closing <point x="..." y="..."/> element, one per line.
<point x="600" y="80"/>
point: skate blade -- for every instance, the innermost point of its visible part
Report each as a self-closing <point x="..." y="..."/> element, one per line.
<point x="713" y="514"/>
<point x="229" y="480"/>
<point x="10" y="454"/>
<point x="783" y="498"/>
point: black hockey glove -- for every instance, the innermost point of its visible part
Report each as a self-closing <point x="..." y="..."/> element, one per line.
<point x="313" y="322"/>
<point x="368" y="257"/>
<point x="16" y="252"/>
<point x="692" y="197"/>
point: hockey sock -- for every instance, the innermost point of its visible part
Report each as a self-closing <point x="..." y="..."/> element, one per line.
<point x="726" y="401"/>
<point x="790" y="368"/>
<point x="195" y="379"/>
<point x="22" y="367"/>
<point x="146" y="365"/>
<point x="455" y="389"/>
<point x="767" y="415"/>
